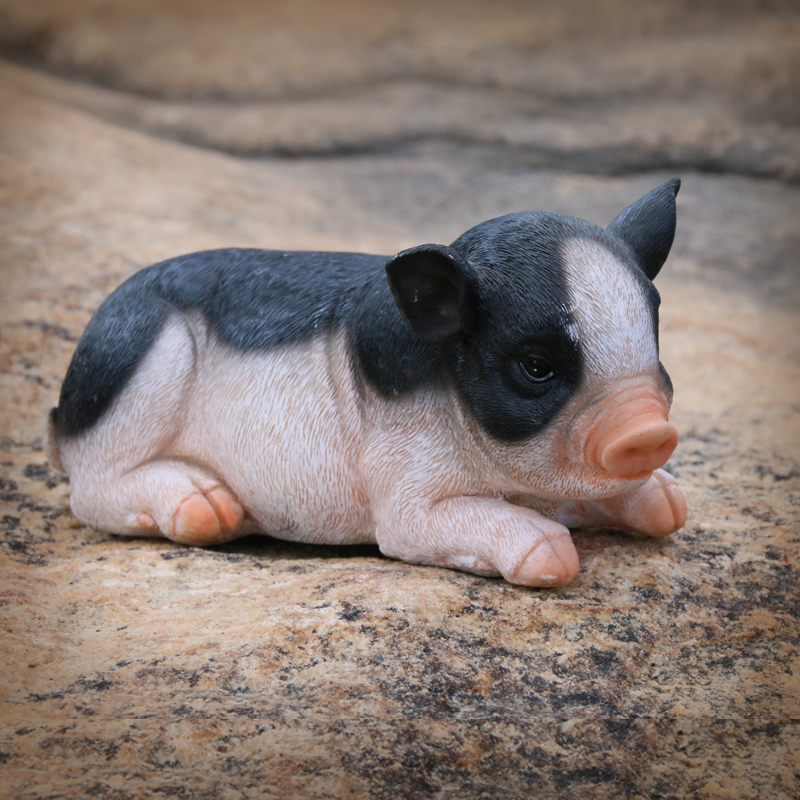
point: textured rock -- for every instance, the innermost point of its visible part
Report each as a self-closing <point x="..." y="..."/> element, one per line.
<point x="133" y="667"/>
<point x="598" y="87"/>
<point x="400" y="759"/>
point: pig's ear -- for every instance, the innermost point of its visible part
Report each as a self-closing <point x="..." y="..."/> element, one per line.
<point x="648" y="226"/>
<point x="436" y="289"/>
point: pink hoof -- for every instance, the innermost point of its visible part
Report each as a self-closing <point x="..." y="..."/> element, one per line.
<point x="207" y="519"/>
<point x="196" y="522"/>
<point x="553" y="562"/>
<point x="659" y="507"/>
<point x="229" y="511"/>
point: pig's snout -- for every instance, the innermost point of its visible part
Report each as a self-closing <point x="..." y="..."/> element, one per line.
<point x="642" y="446"/>
<point x="633" y="435"/>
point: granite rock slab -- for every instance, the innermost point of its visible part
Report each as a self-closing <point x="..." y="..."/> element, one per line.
<point x="485" y="759"/>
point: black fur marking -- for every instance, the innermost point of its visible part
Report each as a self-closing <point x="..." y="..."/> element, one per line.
<point x="254" y="300"/>
<point x="392" y="358"/>
<point x="524" y="302"/>
<point x="114" y="342"/>
<point x="523" y="312"/>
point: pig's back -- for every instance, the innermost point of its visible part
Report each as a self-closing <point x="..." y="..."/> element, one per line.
<point x="252" y="300"/>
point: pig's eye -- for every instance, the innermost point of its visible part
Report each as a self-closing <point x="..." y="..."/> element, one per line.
<point x="536" y="369"/>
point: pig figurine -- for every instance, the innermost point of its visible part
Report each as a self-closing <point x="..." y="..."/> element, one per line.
<point x="460" y="406"/>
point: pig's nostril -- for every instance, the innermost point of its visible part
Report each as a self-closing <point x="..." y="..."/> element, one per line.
<point x="643" y="449"/>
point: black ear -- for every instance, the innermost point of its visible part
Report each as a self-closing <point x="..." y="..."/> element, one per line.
<point x="648" y="226"/>
<point x="436" y="289"/>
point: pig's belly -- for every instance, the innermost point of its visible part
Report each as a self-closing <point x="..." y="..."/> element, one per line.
<point x="281" y="428"/>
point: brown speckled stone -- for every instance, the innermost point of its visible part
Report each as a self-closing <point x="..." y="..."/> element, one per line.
<point x="388" y="760"/>
<point x="138" y="667"/>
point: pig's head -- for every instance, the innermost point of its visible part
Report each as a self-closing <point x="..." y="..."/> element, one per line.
<point x="548" y="326"/>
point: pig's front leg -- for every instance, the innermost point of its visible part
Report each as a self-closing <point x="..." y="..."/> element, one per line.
<point x="658" y="508"/>
<point x="484" y="535"/>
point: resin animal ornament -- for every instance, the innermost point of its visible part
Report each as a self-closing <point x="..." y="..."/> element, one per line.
<point x="460" y="406"/>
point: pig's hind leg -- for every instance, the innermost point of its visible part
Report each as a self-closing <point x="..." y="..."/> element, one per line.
<point x="657" y="509"/>
<point x="125" y="478"/>
<point x="163" y="498"/>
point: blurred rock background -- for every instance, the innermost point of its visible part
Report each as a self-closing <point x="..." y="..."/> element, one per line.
<point x="134" y="131"/>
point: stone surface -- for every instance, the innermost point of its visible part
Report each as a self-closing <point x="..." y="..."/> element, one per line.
<point x="208" y="759"/>
<point x="133" y="667"/>
<point x="600" y="87"/>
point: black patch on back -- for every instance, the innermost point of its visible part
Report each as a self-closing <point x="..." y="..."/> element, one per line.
<point x="392" y="358"/>
<point x="254" y="300"/>
<point x="114" y="342"/>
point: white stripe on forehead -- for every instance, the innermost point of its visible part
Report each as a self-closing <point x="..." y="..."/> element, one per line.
<point x="613" y="315"/>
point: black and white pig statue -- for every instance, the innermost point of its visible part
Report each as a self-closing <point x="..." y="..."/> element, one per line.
<point x="460" y="406"/>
